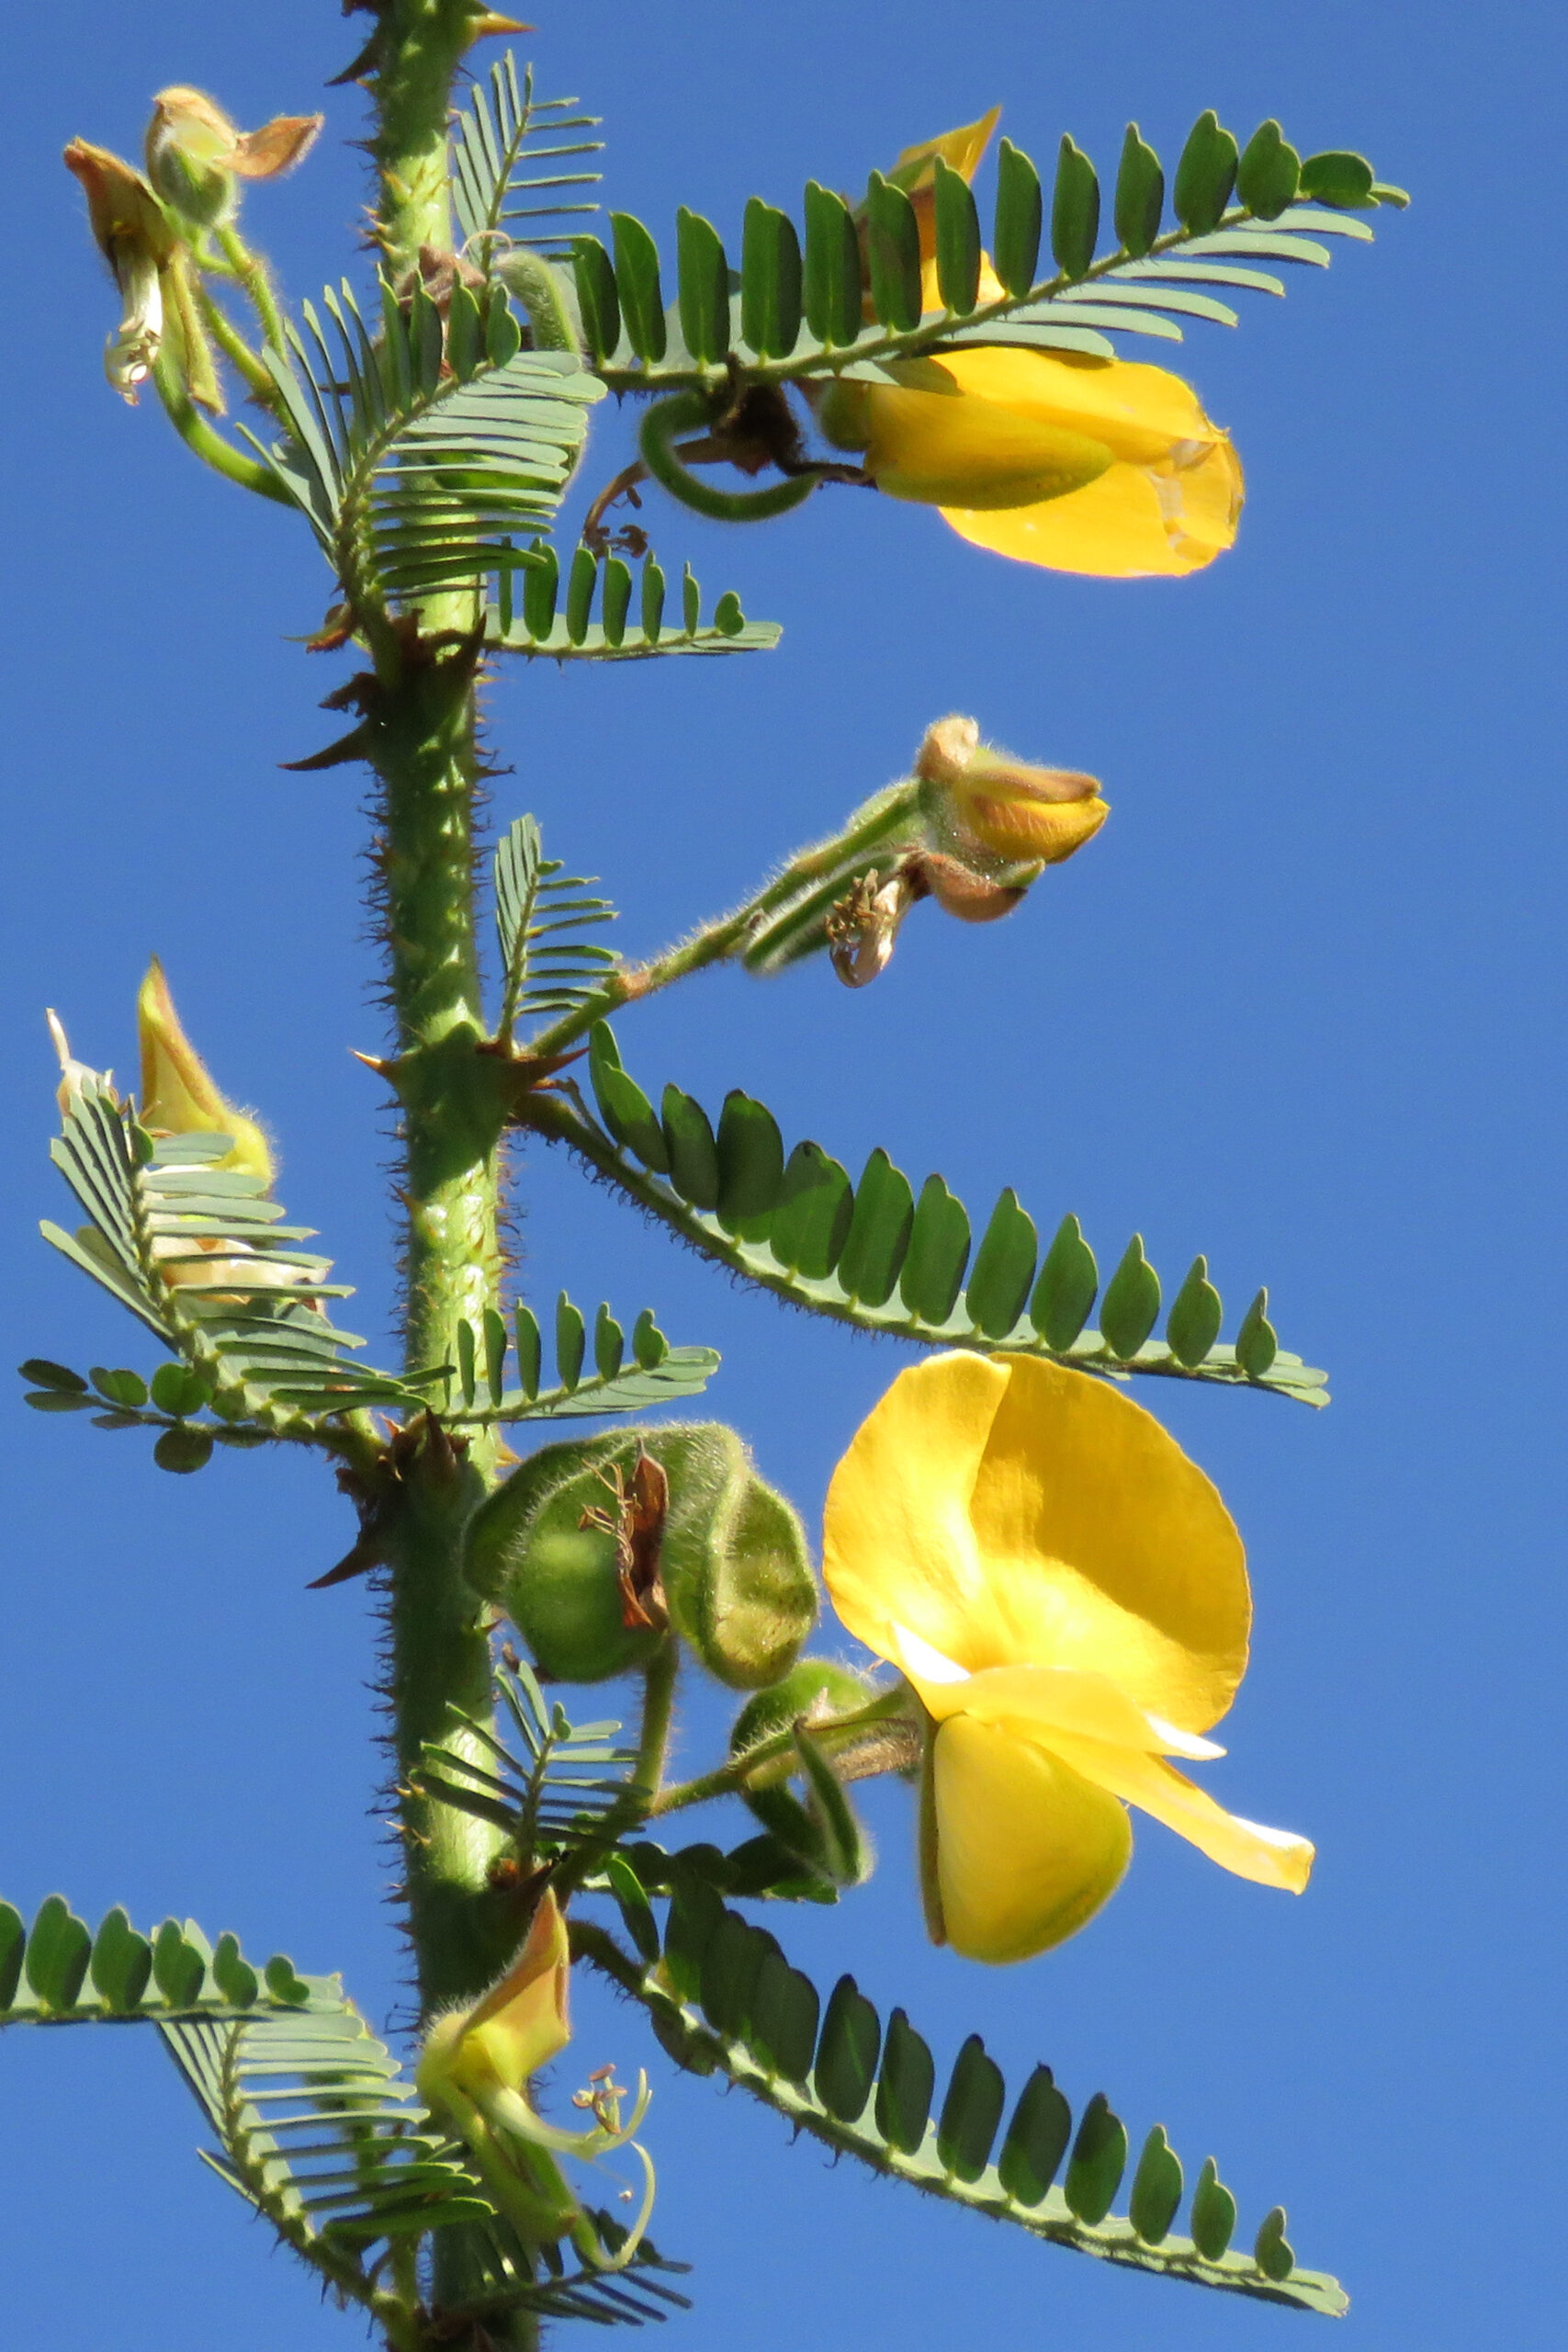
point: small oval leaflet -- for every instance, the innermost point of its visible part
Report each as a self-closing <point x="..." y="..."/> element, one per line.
<point x="1098" y="2160"/>
<point x="971" y="2111"/>
<point x="1036" y="2138"/>
<point x="1157" y="2189"/>
<point x="905" y="2087"/>
<point x="1212" y="2221"/>
<point x="846" y="2059"/>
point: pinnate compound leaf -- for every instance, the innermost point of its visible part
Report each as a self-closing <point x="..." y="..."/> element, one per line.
<point x="723" y="1998"/>
<point x="62" y="1972"/>
<point x="871" y="1255"/>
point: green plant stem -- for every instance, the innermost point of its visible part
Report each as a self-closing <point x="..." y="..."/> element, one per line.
<point x="252" y="273"/>
<point x="717" y="940"/>
<point x="423" y="44"/>
<point x="657" y="1719"/>
<point x="207" y="445"/>
<point x="423" y="729"/>
<point x="420" y="742"/>
<point x="234" y="347"/>
<point x="834" y="1733"/>
<point x="647" y="1777"/>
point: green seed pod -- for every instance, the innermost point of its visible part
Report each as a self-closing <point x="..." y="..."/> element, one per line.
<point x="593" y="1547"/>
<point x="737" y="1570"/>
<point x="558" y="1580"/>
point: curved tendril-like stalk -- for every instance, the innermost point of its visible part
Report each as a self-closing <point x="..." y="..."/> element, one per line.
<point x="585" y="2238"/>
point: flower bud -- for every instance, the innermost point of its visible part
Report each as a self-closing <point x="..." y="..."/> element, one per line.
<point x="178" y="1097"/>
<point x="813" y="1690"/>
<point x="549" y="1546"/>
<point x="567" y="1549"/>
<point x="984" y="799"/>
<point x="195" y="155"/>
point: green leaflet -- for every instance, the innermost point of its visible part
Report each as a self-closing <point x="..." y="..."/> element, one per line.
<point x="551" y="1783"/>
<point x="476" y="1390"/>
<point x="497" y="149"/>
<point x="872" y="1255"/>
<point x="415" y="481"/>
<point x="60" y="1973"/>
<point x="634" y="623"/>
<point x="851" y="283"/>
<point x="724" y="1996"/>
<point x="257" y="1344"/>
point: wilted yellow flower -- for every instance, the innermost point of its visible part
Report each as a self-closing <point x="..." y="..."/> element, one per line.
<point x="178" y="1097"/>
<point x="136" y="240"/>
<point x="1012" y="808"/>
<point x="194" y="154"/>
<point x="1068" y="1595"/>
<point x="475" y="2069"/>
<point x="1101" y="466"/>
<point x="520" y="2024"/>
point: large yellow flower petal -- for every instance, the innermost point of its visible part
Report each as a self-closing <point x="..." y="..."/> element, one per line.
<point x="929" y="438"/>
<point x="1141" y="413"/>
<point x="1027" y="1850"/>
<point x="1271" y="1857"/>
<point x="898" y="1547"/>
<point x="1131" y="523"/>
<point x="1109" y="1549"/>
<point x="1043" y="1699"/>
<point x="1010" y="1512"/>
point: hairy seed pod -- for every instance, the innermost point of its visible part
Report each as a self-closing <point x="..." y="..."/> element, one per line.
<point x="593" y="1562"/>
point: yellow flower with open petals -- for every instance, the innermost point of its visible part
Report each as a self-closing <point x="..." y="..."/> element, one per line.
<point x="1068" y="1595"/>
<point x="1100" y="466"/>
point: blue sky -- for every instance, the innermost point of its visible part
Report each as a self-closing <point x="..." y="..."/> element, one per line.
<point x="1297" y="1007"/>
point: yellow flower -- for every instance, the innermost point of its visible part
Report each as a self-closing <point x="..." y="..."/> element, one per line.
<point x="1010" y="807"/>
<point x="474" y="2071"/>
<point x="1101" y="466"/>
<point x="178" y="1097"/>
<point x="520" y="2024"/>
<point x="135" y="239"/>
<point x="1068" y="1596"/>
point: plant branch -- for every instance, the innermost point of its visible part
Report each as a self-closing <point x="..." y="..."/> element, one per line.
<point x="207" y="443"/>
<point x="834" y="1734"/>
<point x="717" y="940"/>
<point x="252" y="274"/>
